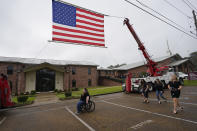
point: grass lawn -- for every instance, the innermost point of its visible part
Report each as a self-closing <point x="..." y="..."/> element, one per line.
<point x="29" y="100"/>
<point x="92" y="91"/>
<point x="190" y="82"/>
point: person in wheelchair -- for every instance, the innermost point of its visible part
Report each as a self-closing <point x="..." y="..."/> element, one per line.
<point x="85" y="97"/>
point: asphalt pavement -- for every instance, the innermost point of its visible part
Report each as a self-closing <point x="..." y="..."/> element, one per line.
<point x="114" y="112"/>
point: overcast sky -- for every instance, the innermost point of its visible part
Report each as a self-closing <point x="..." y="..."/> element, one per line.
<point x="26" y="26"/>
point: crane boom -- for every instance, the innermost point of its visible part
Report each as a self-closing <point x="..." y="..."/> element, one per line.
<point x="152" y="66"/>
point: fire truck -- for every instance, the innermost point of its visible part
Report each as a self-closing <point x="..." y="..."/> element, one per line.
<point x="162" y="73"/>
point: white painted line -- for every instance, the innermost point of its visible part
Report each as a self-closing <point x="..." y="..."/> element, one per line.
<point x="4" y="118"/>
<point x="141" y="124"/>
<point x="29" y="113"/>
<point x="158" y="114"/>
<point x="186" y="103"/>
<point x="83" y="122"/>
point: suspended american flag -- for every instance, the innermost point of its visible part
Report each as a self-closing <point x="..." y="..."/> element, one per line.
<point x="77" y="25"/>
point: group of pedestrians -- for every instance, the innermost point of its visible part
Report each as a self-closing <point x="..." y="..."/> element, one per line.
<point x="5" y="92"/>
<point x="175" y="89"/>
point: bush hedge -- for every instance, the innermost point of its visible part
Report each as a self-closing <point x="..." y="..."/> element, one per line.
<point x="22" y="98"/>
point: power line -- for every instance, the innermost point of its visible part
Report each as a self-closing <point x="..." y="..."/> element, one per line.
<point x="160" y="19"/>
<point x="187" y="4"/>
<point x="177" y="8"/>
<point x="160" y="14"/>
<point x="191" y="4"/>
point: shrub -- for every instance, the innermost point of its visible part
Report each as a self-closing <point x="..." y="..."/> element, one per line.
<point x="59" y="91"/>
<point x="75" y="89"/>
<point x="33" y="92"/>
<point x="68" y="93"/>
<point x="26" y="93"/>
<point x="22" y="98"/>
<point x="56" y="90"/>
<point x="22" y="93"/>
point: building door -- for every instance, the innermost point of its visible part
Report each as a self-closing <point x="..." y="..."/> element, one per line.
<point x="45" y="80"/>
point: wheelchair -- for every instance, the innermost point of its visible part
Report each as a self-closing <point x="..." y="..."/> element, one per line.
<point x="90" y="107"/>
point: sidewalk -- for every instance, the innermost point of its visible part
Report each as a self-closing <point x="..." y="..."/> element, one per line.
<point x="45" y="98"/>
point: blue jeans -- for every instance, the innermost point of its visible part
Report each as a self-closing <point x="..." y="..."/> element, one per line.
<point x="160" y="93"/>
<point x="79" y="104"/>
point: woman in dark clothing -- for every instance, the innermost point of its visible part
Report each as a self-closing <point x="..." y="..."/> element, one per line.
<point x="175" y="88"/>
<point x="84" y="99"/>
<point x="145" y="89"/>
<point x="159" y="90"/>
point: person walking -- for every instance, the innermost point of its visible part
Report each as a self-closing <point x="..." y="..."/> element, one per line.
<point x="159" y="90"/>
<point x="145" y="90"/>
<point x="175" y="88"/>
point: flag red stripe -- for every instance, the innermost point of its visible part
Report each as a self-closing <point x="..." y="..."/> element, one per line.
<point x="88" y="12"/>
<point x="77" y="36"/>
<point x="90" y="18"/>
<point x="89" y="23"/>
<point x="89" y="28"/>
<point x="77" y="31"/>
<point x="77" y="41"/>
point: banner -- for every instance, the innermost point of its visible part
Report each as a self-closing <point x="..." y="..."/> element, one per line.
<point x="73" y="24"/>
<point x="193" y="76"/>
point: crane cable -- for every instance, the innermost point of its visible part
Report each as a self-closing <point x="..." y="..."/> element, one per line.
<point x="160" y="19"/>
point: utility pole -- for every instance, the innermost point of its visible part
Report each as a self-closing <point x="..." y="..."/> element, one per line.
<point x="195" y="21"/>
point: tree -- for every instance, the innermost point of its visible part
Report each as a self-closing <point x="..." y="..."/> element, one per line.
<point x="193" y="59"/>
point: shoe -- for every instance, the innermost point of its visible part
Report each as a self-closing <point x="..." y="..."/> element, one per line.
<point x="77" y="113"/>
<point x="174" y="112"/>
<point x="159" y="102"/>
<point x="180" y="108"/>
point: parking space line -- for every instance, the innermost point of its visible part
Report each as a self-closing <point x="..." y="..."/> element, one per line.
<point x="141" y="124"/>
<point x="158" y="114"/>
<point x="32" y="112"/>
<point x="4" y="118"/>
<point x="83" y="122"/>
<point x="186" y="103"/>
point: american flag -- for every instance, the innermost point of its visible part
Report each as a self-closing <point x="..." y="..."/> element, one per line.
<point x="77" y="25"/>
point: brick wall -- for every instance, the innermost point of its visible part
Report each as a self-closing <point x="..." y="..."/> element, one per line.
<point x="81" y="77"/>
<point x="12" y="78"/>
<point x="108" y="82"/>
<point x="17" y="79"/>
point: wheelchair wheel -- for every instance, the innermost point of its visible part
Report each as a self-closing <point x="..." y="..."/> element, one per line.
<point x="82" y="108"/>
<point x="90" y="106"/>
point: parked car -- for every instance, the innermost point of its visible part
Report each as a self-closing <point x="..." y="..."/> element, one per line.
<point x="182" y="75"/>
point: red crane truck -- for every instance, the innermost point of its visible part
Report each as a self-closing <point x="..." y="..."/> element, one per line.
<point x="162" y="73"/>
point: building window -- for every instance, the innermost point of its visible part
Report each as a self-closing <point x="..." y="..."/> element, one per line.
<point x="10" y="70"/>
<point x="74" y="83"/>
<point x="89" y="71"/>
<point x="89" y="82"/>
<point x="73" y="71"/>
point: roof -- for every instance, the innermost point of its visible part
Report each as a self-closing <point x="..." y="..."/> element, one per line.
<point x="141" y="63"/>
<point x="176" y="63"/>
<point x="102" y="68"/>
<point x="41" y="61"/>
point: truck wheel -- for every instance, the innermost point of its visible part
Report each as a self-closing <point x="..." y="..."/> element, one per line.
<point x="181" y="81"/>
<point x="150" y="87"/>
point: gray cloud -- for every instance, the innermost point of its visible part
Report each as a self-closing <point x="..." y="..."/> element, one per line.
<point x="25" y="28"/>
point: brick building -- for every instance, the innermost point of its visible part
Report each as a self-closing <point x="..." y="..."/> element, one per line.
<point x="27" y="74"/>
<point x="139" y="69"/>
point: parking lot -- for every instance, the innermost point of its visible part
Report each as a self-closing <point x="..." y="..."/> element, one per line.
<point x="114" y="112"/>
